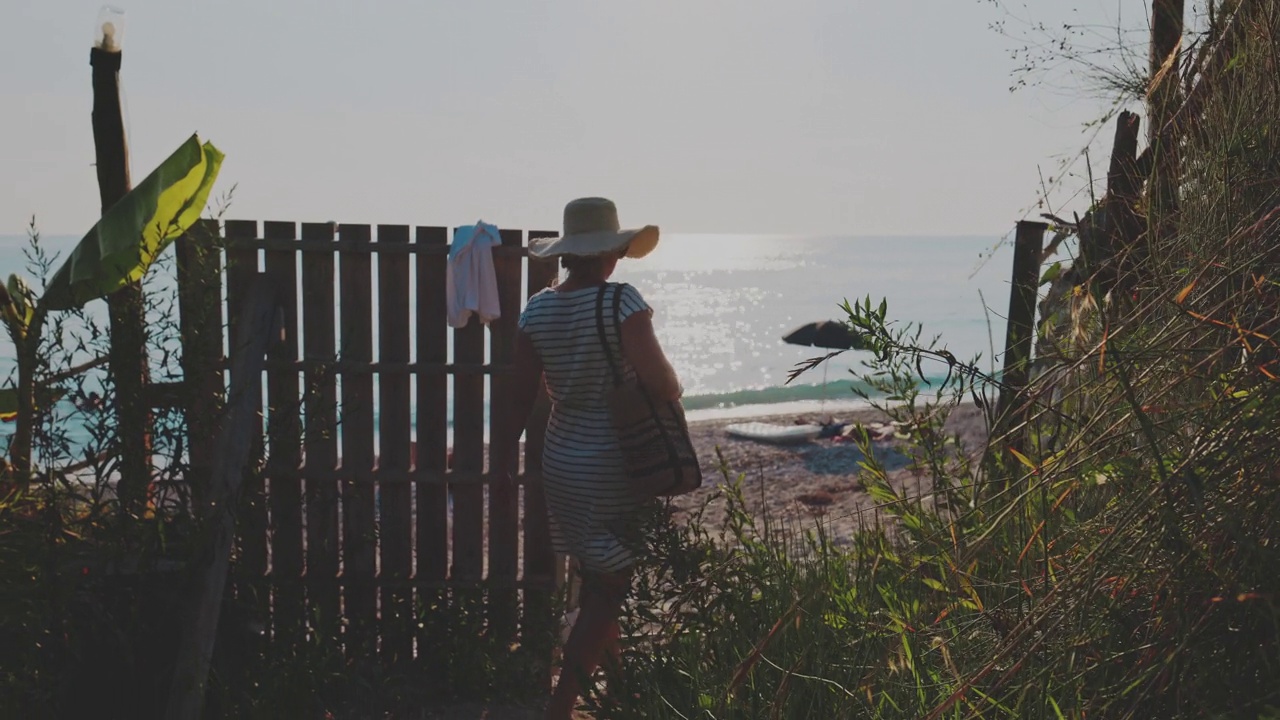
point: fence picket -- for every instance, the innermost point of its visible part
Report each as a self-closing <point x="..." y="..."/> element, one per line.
<point x="242" y="267"/>
<point x="362" y="544"/>
<point x="395" y="537"/>
<point x="319" y="338"/>
<point x="504" y="511"/>
<point x="199" y="271"/>
<point x="284" y="440"/>
<point x="538" y="622"/>
<point x="359" y="542"/>
<point x="433" y="428"/>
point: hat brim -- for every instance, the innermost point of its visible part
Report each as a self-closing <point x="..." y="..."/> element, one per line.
<point x="637" y="242"/>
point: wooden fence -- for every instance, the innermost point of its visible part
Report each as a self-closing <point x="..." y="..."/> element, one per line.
<point x="347" y="530"/>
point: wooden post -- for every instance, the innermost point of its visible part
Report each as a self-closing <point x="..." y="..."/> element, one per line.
<point x="433" y="433"/>
<point x="1028" y="244"/>
<point x="235" y="440"/>
<point x="199" y="263"/>
<point x="128" y="355"/>
<point x="1166" y="37"/>
<point x="1123" y="183"/>
<point x="284" y="447"/>
<point x="242" y="269"/>
<point x="504" y="513"/>
<point x="396" y="532"/>
<point x="320" y="346"/>
<point x="1164" y="97"/>
<point x="359" y="541"/>
<point x="538" y="625"/>
<point x="468" y="464"/>
<point x="1102" y="247"/>
<point x="468" y="452"/>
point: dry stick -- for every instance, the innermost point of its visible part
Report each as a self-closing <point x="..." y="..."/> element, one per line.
<point x="74" y="371"/>
<point x="186" y="695"/>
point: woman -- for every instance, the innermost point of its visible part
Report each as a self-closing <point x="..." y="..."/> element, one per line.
<point x="586" y="488"/>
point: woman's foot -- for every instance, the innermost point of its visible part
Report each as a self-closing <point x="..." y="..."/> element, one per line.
<point x="594" y="637"/>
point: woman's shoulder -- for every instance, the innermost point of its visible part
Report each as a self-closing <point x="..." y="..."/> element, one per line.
<point x="534" y="305"/>
<point x="630" y="301"/>
<point x="539" y="297"/>
<point x="626" y="289"/>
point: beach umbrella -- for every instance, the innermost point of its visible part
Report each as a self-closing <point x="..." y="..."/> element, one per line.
<point x="829" y="334"/>
<point x="825" y="334"/>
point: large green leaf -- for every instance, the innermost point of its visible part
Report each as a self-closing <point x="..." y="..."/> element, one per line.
<point x="9" y="401"/>
<point x="129" y="237"/>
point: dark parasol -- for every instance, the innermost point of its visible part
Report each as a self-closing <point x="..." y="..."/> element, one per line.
<point x="825" y="334"/>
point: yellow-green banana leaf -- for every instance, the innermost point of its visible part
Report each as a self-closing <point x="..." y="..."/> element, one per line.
<point x="133" y="232"/>
<point x="9" y="401"/>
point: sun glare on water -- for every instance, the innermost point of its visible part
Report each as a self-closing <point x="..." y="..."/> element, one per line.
<point x="681" y="252"/>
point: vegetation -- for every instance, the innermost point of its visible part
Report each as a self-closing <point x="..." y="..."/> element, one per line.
<point x="1112" y="552"/>
<point x="1125" y="564"/>
<point x="88" y="592"/>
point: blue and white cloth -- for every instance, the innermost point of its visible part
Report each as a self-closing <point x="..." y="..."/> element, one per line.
<point x="470" y="281"/>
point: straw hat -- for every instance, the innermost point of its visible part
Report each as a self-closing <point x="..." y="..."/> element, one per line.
<point x="591" y="228"/>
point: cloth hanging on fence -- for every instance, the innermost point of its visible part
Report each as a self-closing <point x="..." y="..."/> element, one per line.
<point x="470" y="281"/>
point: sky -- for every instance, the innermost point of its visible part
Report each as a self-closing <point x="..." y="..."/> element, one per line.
<point x="834" y="117"/>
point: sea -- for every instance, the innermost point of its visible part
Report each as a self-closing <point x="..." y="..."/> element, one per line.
<point x="722" y="304"/>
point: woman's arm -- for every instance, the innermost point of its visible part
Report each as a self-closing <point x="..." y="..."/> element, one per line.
<point x="526" y="379"/>
<point x="641" y="348"/>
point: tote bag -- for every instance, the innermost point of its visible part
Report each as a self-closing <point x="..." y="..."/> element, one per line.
<point x="656" y="448"/>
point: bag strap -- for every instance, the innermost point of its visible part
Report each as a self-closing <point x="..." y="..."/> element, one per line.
<point x="617" y="312"/>
<point x="668" y="442"/>
<point x="604" y="336"/>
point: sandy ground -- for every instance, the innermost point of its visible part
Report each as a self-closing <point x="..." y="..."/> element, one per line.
<point x="799" y="484"/>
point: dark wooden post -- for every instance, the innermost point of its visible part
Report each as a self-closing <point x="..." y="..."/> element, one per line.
<point x="504" y="512"/>
<point x="1100" y="246"/>
<point x="538" y="624"/>
<point x="359" y="522"/>
<point x="284" y="445"/>
<point x="128" y="356"/>
<point x="235" y="441"/>
<point x="395" y="494"/>
<point x="319" y="339"/>
<point x="1028" y="244"/>
<point x="251" y="524"/>
<point x="200" y="316"/>
<point x="432" y="461"/>
<point x="1163" y="98"/>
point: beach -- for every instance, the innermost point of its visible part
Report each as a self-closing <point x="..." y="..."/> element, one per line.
<point x="815" y="481"/>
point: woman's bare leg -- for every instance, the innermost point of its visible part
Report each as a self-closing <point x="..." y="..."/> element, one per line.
<point x="594" y="635"/>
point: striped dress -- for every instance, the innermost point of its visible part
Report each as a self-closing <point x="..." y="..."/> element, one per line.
<point x="582" y="466"/>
